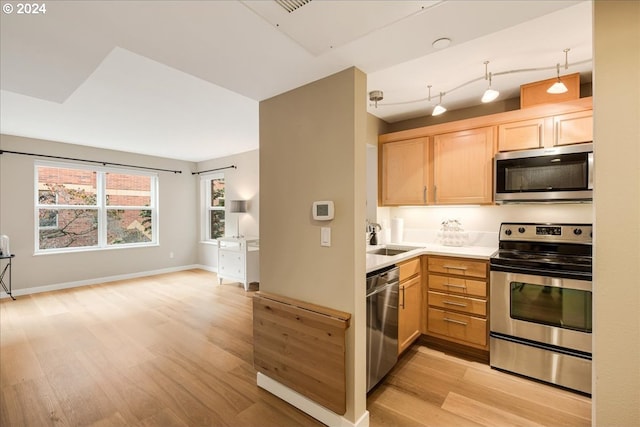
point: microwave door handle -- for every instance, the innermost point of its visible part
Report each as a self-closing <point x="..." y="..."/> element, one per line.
<point x="590" y="171"/>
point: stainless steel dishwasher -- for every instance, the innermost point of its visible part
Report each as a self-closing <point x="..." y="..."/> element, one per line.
<point x="382" y="323"/>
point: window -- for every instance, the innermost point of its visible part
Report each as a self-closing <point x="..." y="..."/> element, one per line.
<point x="86" y="208"/>
<point x="214" y="223"/>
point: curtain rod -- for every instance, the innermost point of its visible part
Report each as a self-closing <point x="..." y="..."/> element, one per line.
<point x="216" y="169"/>
<point x="89" y="161"/>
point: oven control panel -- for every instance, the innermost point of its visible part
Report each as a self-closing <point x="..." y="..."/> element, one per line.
<point x="561" y="233"/>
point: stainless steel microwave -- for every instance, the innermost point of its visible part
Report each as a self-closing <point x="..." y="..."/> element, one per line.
<point x="559" y="174"/>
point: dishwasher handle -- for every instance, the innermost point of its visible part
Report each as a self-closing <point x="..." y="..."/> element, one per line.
<point x="383" y="288"/>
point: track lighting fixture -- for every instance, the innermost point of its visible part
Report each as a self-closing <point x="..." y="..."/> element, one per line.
<point x="489" y="94"/>
<point x="558" y="86"/>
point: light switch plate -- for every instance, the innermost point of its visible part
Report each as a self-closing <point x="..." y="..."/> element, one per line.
<point x="325" y="236"/>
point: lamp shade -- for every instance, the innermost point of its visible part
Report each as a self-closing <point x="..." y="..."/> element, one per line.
<point x="238" y="206"/>
<point x="490" y="95"/>
<point x="557" y="87"/>
<point x="439" y="109"/>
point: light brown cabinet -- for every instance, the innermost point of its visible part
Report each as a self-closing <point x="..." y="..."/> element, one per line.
<point x="563" y="129"/>
<point x="457" y="306"/>
<point x="522" y="135"/>
<point x="463" y="166"/>
<point x="452" y="162"/>
<point x="573" y="128"/>
<point x="409" y="303"/>
<point x="404" y="172"/>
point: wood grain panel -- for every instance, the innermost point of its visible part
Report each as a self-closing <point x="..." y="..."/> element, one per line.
<point x="302" y="346"/>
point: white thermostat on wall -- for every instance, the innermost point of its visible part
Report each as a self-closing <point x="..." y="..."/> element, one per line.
<point x="323" y="211"/>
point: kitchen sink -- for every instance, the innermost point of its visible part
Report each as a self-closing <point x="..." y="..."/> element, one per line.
<point x="391" y="250"/>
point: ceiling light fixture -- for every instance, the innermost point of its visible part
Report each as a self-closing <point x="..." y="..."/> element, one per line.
<point x="439" y="109"/>
<point x="375" y="96"/>
<point x="441" y="43"/>
<point x="558" y="86"/>
<point x="489" y="94"/>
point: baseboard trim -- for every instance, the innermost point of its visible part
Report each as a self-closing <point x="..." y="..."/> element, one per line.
<point x="99" y="280"/>
<point x="307" y="405"/>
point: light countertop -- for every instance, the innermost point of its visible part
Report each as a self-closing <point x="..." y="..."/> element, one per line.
<point x="375" y="262"/>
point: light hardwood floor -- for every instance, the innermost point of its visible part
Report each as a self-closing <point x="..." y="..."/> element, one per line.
<point x="176" y="350"/>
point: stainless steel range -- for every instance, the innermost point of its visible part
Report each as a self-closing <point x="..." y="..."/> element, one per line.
<point x="541" y="303"/>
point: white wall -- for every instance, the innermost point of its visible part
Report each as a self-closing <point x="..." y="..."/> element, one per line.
<point x="31" y="273"/>
<point x="241" y="184"/>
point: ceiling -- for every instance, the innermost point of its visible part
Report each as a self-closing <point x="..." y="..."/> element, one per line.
<point x="183" y="79"/>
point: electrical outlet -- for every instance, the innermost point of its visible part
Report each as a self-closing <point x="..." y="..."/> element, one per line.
<point x="171" y="255"/>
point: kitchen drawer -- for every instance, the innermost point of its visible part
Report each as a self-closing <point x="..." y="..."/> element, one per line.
<point x="457" y="285"/>
<point x="458" y="266"/>
<point x="409" y="268"/>
<point x="458" y="303"/>
<point x="458" y="326"/>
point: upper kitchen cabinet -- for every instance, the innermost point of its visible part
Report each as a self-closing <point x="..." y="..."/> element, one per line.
<point x="452" y="163"/>
<point x="404" y="172"/>
<point x="463" y="166"/>
<point x="551" y="131"/>
<point x="521" y="135"/>
<point x="573" y="128"/>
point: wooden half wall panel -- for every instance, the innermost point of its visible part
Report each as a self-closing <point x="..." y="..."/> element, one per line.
<point x="302" y="346"/>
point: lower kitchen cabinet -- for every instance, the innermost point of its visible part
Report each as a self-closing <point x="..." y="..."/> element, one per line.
<point x="457" y="300"/>
<point x="409" y="303"/>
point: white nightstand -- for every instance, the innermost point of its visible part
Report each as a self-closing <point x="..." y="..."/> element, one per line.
<point x="238" y="260"/>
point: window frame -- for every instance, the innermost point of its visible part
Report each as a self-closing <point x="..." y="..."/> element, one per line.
<point x="205" y="185"/>
<point x="101" y="207"/>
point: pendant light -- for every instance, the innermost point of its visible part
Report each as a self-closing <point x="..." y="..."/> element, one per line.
<point x="489" y="94"/>
<point x="439" y="109"/>
<point x="559" y="87"/>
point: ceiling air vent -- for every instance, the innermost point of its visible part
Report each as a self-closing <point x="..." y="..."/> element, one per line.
<point x="291" y="5"/>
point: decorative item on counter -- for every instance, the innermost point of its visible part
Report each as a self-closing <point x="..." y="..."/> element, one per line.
<point x="373" y="229"/>
<point x="452" y="233"/>
<point x="397" y="230"/>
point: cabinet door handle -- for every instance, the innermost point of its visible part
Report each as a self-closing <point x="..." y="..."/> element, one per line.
<point x="402" y="298"/>
<point x="458" y="304"/>
<point x="424" y="194"/>
<point x="454" y="267"/>
<point x="435" y="194"/>
<point x="540" y="141"/>
<point x="451" y="285"/>
<point x="446" y="319"/>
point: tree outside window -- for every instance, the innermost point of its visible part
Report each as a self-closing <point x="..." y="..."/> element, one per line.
<point x="216" y="208"/>
<point x="89" y="208"/>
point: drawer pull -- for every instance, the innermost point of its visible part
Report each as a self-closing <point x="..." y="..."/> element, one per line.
<point x="459" y="304"/>
<point x="455" y="267"/>
<point x="446" y="319"/>
<point x="450" y="285"/>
